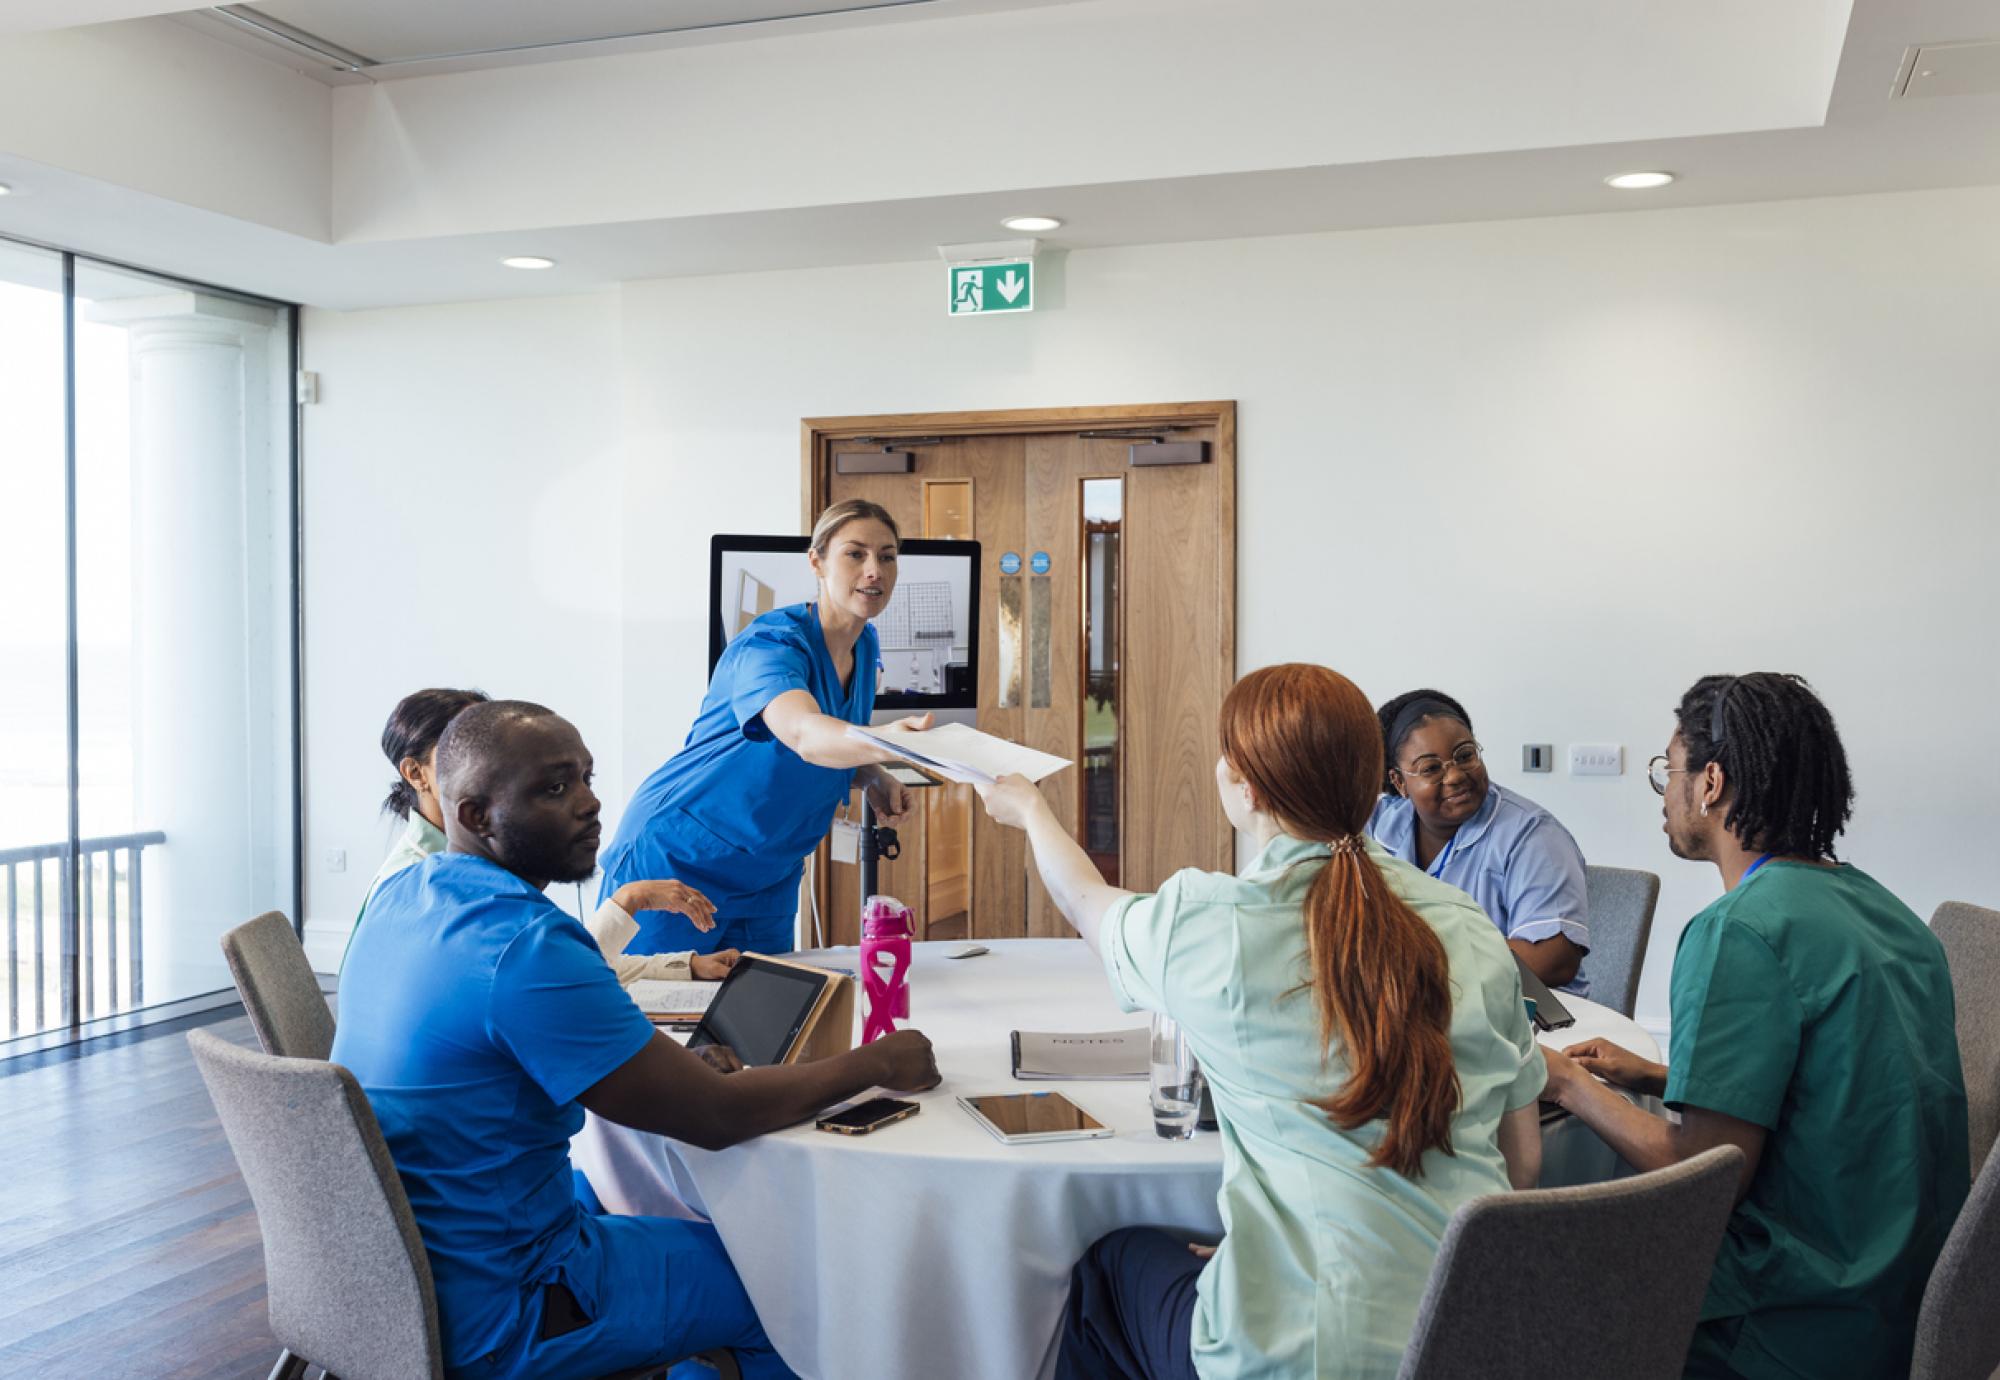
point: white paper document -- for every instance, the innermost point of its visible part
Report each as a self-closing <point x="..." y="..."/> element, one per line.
<point x="661" y="997"/>
<point x="959" y="752"/>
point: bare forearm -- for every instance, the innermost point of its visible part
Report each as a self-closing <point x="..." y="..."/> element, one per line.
<point x="1074" y="883"/>
<point x="671" y="1092"/>
<point x="1646" y="1142"/>
<point x="1554" y="960"/>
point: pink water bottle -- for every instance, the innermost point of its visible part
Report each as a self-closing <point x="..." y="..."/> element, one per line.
<point x="886" y="930"/>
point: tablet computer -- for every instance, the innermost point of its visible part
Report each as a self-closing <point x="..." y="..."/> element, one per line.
<point x="1549" y="1013"/>
<point x="1024" y="1118"/>
<point x="761" y="1009"/>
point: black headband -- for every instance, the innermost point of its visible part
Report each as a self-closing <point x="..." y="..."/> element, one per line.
<point x="1716" y="726"/>
<point x="1414" y="713"/>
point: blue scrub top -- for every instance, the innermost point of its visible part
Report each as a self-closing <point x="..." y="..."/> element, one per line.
<point x="474" y="1012"/>
<point x="735" y="812"/>
<point x="1514" y="858"/>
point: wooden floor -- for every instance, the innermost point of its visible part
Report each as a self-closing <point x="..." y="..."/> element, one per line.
<point x="127" y="1243"/>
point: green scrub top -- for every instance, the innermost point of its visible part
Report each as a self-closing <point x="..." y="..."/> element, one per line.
<point x="1813" y="1003"/>
<point x="1325" y="1257"/>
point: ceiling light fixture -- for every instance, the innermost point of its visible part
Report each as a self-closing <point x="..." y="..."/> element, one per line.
<point x="4" y="189"/>
<point x="529" y="261"/>
<point x="1031" y="225"/>
<point x="1639" y="181"/>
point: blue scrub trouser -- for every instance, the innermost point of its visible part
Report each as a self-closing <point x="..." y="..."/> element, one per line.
<point x="655" y="1290"/>
<point x="1131" y="1310"/>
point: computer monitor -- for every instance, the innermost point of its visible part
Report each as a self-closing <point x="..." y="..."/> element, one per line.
<point x="929" y="633"/>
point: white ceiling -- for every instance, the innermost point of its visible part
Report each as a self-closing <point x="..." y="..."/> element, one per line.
<point x="1427" y="136"/>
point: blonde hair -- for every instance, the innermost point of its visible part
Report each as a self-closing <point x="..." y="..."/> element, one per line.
<point x="846" y="511"/>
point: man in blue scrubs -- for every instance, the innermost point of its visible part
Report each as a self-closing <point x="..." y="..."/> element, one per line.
<point x="483" y="1023"/>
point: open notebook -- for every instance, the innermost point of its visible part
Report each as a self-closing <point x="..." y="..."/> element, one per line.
<point x="676" y="1002"/>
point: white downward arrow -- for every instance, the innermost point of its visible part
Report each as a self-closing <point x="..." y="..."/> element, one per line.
<point x="1010" y="286"/>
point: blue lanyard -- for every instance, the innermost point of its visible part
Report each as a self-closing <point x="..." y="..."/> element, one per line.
<point x="1437" y="868"/>
<point x="1752" y="871"/>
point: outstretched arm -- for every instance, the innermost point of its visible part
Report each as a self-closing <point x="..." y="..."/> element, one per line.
<point x="1075" y="885"/>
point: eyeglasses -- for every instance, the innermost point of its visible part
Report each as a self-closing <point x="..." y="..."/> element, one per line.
<point x="1659" y="773"/>
<point x="1465" y="757"/>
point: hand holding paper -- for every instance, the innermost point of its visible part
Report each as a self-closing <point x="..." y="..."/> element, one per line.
<point x="959" y="752"/>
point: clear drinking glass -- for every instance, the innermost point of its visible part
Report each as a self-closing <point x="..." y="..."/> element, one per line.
<point x="1177" y="1082"/>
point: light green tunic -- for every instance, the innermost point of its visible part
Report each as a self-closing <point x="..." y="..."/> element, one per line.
<point x="1325" y="1258"/>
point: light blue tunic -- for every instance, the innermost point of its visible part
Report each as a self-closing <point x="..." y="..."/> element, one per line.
<point x="735" y="812"/>
<point x="1515" y="859"/>
<point x="1325" y="1257"/>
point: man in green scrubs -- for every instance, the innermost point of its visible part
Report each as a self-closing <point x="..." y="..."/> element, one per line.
<point x="1812" y="1028"/>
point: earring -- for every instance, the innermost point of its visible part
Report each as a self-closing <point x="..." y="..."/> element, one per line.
<point x="1704" y="809"/>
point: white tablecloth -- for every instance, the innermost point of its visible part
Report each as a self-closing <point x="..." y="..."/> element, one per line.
<point x="929" y="1249"/>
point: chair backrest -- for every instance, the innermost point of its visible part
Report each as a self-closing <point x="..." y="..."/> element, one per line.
<point x="1621" y="921"/>
<point x="1971" y="938"/>
<point x="1628" y="1260"/>
<point x="280" y="993"/>
<point x="1958" y="1330"/>
<point x="348" y="1283"/>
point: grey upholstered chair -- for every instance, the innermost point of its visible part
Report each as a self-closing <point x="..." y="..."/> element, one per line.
<point x="1621" y="921"/>
<point x="279" y="991"/>
<point x="345" y="1274"/>
<point x="1958" y="1331"/>
<point x="1629" y="1259"/>
<point x="1971" y="939"/>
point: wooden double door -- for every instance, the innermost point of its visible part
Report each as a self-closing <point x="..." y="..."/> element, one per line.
<point x="1107" y="636"/>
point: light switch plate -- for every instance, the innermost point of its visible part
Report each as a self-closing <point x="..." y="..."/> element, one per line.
<point x="336" y="860"/>
<point x="1538" y="757"/>
<point x="1596" y="759"/>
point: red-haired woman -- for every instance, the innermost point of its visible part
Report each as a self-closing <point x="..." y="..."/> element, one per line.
<point x="1362" y="1030"/>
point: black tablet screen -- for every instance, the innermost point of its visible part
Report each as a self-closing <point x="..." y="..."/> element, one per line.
<point x="758" y="1010"/>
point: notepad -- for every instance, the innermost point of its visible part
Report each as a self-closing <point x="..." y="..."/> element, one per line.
<point x="666" y="1000"/>
<point x="1082" y="1055"/>
<point x="959" y="752"/>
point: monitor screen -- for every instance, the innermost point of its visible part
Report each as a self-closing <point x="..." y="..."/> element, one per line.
<point x="929" y="633"/>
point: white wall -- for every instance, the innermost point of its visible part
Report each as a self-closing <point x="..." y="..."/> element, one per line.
<point x="1557" y="467"/>
<point x="462" y="481"/>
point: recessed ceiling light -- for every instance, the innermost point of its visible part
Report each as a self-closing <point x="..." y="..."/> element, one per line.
<point x="1032" y="225"/>
<point x="529" y="261"/>
<point x="1638" y="181"/>
<point x="4" y="189"/>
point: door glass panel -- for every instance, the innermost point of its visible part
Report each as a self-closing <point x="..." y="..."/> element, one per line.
<point x="183" y="630"/>
<point x="34" y="642"/>
<point x="1103" y="521"/>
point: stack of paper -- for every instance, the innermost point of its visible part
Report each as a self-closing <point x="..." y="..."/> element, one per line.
<point x="959" y="752"/>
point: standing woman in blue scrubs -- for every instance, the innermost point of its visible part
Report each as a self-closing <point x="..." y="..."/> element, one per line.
<point x="736" y="811"/>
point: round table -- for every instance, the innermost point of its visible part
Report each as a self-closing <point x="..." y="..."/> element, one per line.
<point x="931" y="1249"/>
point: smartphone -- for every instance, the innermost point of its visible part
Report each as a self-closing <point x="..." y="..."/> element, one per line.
<point x="864" y="1117"/>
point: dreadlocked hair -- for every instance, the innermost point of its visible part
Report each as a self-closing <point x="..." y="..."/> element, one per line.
<point x="1790" y="792"/>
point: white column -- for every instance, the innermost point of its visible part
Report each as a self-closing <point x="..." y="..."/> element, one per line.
<point x="201" y="600"/>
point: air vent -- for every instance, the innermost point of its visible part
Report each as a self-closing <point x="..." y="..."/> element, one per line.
<point x="1968" y="68"/>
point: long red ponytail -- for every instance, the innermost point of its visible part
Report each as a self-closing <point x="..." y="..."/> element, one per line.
<point x="1307" y="741"/>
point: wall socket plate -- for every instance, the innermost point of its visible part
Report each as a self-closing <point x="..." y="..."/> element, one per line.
<point x="1538" y="757"/>
<point x="336" y="860"/>
<point x="1596" y="759"/>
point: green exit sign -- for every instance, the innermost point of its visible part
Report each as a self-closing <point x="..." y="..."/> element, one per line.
<point x="983" y="289"/>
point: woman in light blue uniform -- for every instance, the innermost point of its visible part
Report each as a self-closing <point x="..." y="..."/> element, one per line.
<point x="751" y="793"/>
<point x="1439" y="811"/>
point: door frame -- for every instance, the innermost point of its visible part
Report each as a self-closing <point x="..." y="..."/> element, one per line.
<point x="818" y="435"/>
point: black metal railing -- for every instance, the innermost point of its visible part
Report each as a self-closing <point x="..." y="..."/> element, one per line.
<point x="110" y="930"/>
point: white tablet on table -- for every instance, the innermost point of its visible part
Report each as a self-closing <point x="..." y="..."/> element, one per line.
<point x="1026" y="1118"/>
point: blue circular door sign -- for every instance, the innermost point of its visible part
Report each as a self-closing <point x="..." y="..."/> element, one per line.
<point x="1010" y="563"/>
<point x="1039" y="562"/>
